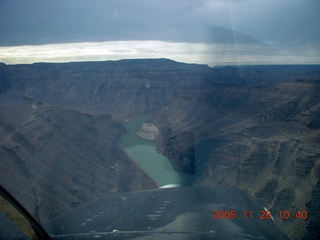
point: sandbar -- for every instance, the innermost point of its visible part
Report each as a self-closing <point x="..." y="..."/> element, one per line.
<point x="148" y="131"/>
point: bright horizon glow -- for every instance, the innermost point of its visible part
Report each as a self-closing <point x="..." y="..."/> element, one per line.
<point x="201" y="53"/>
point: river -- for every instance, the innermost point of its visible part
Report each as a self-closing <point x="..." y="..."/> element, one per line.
<point x="144" y="153"/>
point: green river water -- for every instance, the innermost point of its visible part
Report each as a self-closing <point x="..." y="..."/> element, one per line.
<point x="144" y="153"/>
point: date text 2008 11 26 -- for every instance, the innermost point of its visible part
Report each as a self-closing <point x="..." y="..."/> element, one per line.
<point x="263" y="214"/>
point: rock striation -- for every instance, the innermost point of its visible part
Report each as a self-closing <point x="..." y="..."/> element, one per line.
<point x="59" y="158"/>
<point x="261" y="139"/>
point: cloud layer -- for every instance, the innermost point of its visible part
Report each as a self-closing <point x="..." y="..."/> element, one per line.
<point x="291" y="26"/>
<point x="205" y="53"/>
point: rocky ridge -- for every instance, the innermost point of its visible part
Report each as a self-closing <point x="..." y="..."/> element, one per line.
<point x="59" y="158"/>
<point x="258" y="139"/>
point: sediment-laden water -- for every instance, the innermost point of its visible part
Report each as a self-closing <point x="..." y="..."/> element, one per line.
<point x="144" y="153"/>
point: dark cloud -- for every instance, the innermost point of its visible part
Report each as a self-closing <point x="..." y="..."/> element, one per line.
<point x="68" y="21"/>
<point x="61" y="21"/>
<point x="291" y="25"/>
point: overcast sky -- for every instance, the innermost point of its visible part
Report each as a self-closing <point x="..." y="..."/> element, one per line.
<point x="203" y="31"/>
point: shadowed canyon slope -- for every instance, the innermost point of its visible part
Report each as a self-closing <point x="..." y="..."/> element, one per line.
<point x="253" y="127"/>
<point x="55" y="158"/>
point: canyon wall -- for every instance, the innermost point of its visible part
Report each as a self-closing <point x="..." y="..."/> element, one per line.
<point x="59" y="158"/>
<point x="252" y="127"/>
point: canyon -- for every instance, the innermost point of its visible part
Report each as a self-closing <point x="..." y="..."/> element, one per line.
<point x="255" y="128"/>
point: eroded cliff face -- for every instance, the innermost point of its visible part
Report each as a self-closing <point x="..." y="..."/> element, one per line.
<point x="58" y="158"/>
<point x="124" y="87"/>
<point x="254" y="127"/>
<point x="264" y="140"/>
